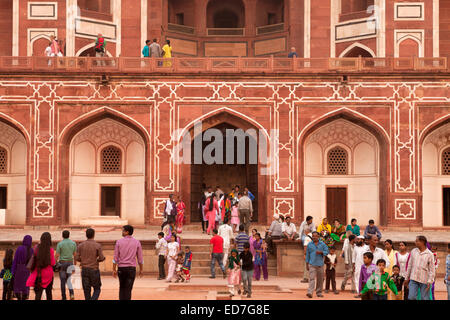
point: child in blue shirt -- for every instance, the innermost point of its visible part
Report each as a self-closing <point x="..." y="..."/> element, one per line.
<point x="6" y="275"/>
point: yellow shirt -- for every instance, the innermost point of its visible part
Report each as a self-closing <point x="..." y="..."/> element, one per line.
<point x="321" y="227"/>
<point x="167" y="51"/>
<point x="391" y="258"/>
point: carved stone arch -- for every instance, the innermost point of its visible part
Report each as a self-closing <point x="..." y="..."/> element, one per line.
<point x="375" y="131"/>
<point x="94" y="118"/>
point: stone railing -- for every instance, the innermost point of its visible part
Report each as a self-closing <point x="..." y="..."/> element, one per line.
<point x="271" y="28"/>
<point x="221" y="65"/>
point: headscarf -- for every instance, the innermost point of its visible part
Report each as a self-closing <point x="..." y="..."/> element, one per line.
<point x="23" y="253"/>
<point x="232" y="260"/>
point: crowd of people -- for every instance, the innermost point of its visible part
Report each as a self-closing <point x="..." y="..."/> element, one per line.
<point x="152" y="49"/>
<point x="35" y="266"/>
<point x="374" y="273"/>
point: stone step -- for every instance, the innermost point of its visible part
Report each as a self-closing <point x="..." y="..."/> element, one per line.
<point x="103" y="221"/>
<point x="207" y="262"/>
<point x="206" y="271"/>
<point x="256" y="286"/>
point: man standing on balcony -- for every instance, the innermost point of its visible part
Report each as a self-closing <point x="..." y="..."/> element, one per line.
<point x="155" y="50"/>
<point x="293" y="53"/>
<point x="100" y="45"/>
<point x="146" y="50"/>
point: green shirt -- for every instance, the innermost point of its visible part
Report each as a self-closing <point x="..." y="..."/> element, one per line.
<point x="379" y="284"/>
<point x="66" y="249"/>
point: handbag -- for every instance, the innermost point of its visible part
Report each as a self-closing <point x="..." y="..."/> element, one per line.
<point x="31" y="263"/>
<point x="57" y="267"/>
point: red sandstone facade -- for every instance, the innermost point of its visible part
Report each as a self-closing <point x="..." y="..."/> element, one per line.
<point x="397" y="91"/>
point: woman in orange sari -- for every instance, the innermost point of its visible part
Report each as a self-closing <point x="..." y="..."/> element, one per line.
<point x="180" y="214"/>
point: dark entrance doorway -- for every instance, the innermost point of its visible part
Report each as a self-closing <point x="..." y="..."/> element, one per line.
<point x="337" y="204"/>
<point x="224" y="175"/>
<point x="446" y="208"/>
<point x="110" y="201"/>
<point x="3" y="197"/>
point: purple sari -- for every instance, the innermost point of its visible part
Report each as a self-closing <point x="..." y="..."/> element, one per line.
<point x="19" y="266"/>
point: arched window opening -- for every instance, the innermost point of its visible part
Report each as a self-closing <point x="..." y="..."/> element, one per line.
<point x="358" y="52"/>
<point x="337" y="161"/>
<point x="269" y="12"/>
<point x="111" y="160"/>
<point x="225" y="14"/>
<point x="446" y="161"/>
<point x="3" y="161"/>
<point x="181" y="12"/>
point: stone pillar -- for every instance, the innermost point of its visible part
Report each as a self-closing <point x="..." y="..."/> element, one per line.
<point x="200" y="21"/>
<point x="15" y="28"/>
<point x="299" y="35"/>
<point x="250" y="18"/>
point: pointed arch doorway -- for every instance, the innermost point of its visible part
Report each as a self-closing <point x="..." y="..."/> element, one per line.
<point x="194" y="176"/>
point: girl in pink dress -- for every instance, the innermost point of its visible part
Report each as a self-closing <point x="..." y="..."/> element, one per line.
<point x="41" y="277"/>
<point x="234" y="272"/>
<point x="235" y="218"/>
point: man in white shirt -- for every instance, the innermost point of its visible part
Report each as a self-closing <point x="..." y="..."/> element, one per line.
<point x="357" y="258"/>
<point x="288" y="229"/>
<point x="161" y="247"/>
<point x="378" y="254"/>
<point x="226" y="232"/>
<point x="308" y="223"/>
<point x="218" y="193"/>
<point x="170" y="211"/>
<point x="306" y="240"/>
<point x="208" y="192"/>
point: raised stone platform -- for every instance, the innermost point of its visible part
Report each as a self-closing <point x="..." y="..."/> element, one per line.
<point x="103" y="221"/>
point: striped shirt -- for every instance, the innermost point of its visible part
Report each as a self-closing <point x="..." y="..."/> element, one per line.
<point x="421" y="266"/>
<point x="240" y="240"/>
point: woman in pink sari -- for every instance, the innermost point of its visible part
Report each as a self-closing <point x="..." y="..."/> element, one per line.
<point x="180" y="215"/>
<point x="211" y="207"/>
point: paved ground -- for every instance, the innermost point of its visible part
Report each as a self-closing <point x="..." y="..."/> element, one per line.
<point x="151" y="289"/>
<point x="151" y="232"/>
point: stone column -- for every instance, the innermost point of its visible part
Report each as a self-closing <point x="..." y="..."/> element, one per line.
<point x="250" y="18"/>
<point x="200" y="17"/>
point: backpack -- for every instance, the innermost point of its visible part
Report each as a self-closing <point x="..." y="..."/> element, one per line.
<point x="100" y="44"/>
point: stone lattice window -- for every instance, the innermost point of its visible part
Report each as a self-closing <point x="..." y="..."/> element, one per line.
<point x="111" y="160"/>
<point x="337" y="161"/>
<point x="446" y="162"/>
<point x="3" y="160"/>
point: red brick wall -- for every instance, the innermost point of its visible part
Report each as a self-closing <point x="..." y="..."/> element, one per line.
<point x="5" y="28"/>
<point x="131" y="28"/>
<point x="444" y="27"/>
<point x="320" y="29"/>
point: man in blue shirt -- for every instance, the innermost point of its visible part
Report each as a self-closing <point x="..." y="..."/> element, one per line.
<point x="241" y="239"/>
<point x="315" y="253"/>
<point x="293" y="53"/>
<point x="371" y="230"/>
<point x="249" y="194"/>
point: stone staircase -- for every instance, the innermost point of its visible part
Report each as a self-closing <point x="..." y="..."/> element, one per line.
<point x="201" y="259"/>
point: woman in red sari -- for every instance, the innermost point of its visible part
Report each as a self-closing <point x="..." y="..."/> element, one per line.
<point x="180" y="214"/>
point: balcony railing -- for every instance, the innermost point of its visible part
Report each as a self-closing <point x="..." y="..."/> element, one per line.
<point x="180" y="28"/>
<point x="220" y="65"/>
<point x="272" y="28"/>
<point x="225" y="31"/>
